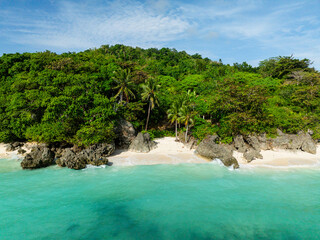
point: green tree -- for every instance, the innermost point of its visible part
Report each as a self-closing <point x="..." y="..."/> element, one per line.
<point x="186" y="117"/>
<point x="150" y="93"/>
<point x="173" y="115"/>
<point x="124" y="83"/>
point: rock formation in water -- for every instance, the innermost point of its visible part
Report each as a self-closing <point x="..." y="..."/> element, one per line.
<point x="74" y="158"/>
<point x="39" y="157"/>
<point x="208" y="148"/>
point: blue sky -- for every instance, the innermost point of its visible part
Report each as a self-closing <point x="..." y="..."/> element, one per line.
<point x="233" y="30"/>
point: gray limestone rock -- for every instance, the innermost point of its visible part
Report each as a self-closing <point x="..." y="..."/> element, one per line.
<point x="39" y="157"/>
<point x="252" y="154"/>
<point x="125" y="133"/>
<point x="142" y="143"/>
<point x="209" y="149"/>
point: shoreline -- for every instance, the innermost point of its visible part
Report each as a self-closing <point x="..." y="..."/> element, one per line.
<point x="169" y="151"/>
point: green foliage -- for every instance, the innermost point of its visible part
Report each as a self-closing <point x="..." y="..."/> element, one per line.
<point x="95" y="132"/>
<point x="159" y="133"/>
<point x="78" y="97"/>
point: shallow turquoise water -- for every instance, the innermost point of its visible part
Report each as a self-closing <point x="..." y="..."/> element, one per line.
<point x="186" y="201"/>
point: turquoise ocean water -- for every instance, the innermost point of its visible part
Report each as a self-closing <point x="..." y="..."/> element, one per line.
<point x="187" y="201"/>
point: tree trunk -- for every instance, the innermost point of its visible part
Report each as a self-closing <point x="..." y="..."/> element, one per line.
<point x="149" y="110"/>
<point x="186" y="137"/>
<point x="121" y="97"/>
<point x="176" y="131"/>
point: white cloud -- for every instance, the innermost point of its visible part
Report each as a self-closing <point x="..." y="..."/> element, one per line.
<point x="83" y="26"/>
<point x="155" y="23"/>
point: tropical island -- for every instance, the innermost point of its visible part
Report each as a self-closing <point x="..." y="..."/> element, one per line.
<point x="78" y="108"/>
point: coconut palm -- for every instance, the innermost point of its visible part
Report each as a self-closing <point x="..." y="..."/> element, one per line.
<point x="150" y="93"/>
<point x="123" y="79"/>
<point x="173" y="115"/>
<point x="186" y="117"/>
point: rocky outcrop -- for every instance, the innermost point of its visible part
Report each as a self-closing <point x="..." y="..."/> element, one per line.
<point x="78" y="159"/>
<point x="208" y="148"/>
<point x="251" y="154"/>
<point x="251" y="145"/>
<point x="125" y="134"/>
<point x="142" y="143"/>
<point x="253" y="141"/>
<point x="21" y="151"/>
<point x="301" y="141"/>
<point x="39" y="157"/>
<point x="239" y="144"/>
<point x="13" y="146"/>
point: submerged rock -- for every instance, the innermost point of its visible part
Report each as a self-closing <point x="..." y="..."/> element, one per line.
<point x="142" y="143"/>
<point x="209" y="149"/>
<point x="39" y="157"/>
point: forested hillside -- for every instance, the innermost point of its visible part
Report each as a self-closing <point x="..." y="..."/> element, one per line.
<point x="79" y="97"/>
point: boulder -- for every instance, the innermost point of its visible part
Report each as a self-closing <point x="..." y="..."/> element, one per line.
<point x="39" y="157"/>
<point x="265" y="143"/>
<point x="251" y="154"/>
<point x="21" y="151"/>
<point x="253" y="141"/>
<point x="209" y="149"/>
<point x="308" y="144"/>
<point x="94" y="155"/>
<point x="142" y="143"/>
<point x="298" y="141"/>
<point x="125" y="134"/>
<point x="17" y="144"/>
<point x="10" y="148"/>
<point x="239" y="144"/>
<point x="71" y="160"/>
<point x="103" y="149"/>
<point x="287" y="141"/>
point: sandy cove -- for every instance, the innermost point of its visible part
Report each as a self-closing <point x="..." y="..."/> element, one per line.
<point x="169" y="151"/>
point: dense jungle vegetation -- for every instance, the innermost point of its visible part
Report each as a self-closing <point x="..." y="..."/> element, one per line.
<point x="78" y="98"/>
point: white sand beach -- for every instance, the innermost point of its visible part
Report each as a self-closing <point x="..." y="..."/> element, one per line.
<point x="169" y="151"/>
<point x="281" y="158"/>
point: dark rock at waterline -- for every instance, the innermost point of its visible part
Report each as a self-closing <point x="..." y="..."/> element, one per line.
<point x="95" y="155"/>
<point x="39" y="157"/>
<point x="125" y="133"/>
<point x="142" y="143"/>
<point x="209" y="149"/>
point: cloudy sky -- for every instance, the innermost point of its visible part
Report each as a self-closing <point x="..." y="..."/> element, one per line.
<point x="231" y="30"/>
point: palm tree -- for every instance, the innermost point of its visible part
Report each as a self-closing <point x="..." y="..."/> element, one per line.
<point x="173" y="115"/>
<point x="123" y="79"/>
<point x="150" y="93"/>
<point x="186" y="116"/>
